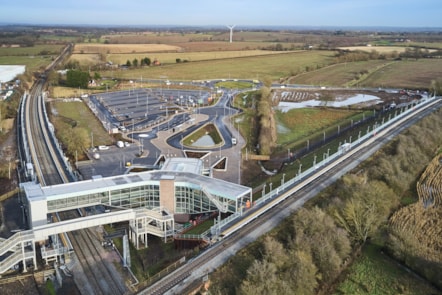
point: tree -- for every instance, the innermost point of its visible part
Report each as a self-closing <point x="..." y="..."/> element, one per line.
<point x="275" y="252"/>
<point x="147" y="61"/>
<point x="359" y="218"/>
<point x="135" y="62"/>
<point x="76" y="78"/>
<point x="128" y="63"/>
<point x="436" y="87"/>
<point x="267" y="126"/>
<point x="302" y="275"/>
<point x="261" y="279"/>
<point x="278" y="47"/>
<point x="316" y="231"/>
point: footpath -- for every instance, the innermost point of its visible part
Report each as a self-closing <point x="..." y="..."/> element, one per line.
<point x="232" y="155"/>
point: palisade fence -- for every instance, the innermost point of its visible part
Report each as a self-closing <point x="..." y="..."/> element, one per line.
<point x="217" y="228"/>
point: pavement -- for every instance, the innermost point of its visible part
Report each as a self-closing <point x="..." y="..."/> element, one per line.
<point x="232" y="171"/>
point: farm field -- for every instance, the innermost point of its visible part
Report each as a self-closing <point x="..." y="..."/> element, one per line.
<point x="260" y="67"/>
<point x="87" y="48"/>
<point x="378" y="73"/>
<point x="406" y="74"/>
<point x="155" y="37"/>
<point x="226" y="46"/>
<point x="31" y="51"/>
<point x="337" y="74"/>
<point x="34" y="58"/>
<point x="86" y="59"/>
<point x="380" y="49"/>
<point x="220" y="36"/>
<point x="32" y="63"/>
<point x="170" y="58"/>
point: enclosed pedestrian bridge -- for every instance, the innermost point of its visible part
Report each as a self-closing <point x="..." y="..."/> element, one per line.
<point x="150" y="201"/>
<point x="178" y="188"/>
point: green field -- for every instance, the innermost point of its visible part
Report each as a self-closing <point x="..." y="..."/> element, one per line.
<point x="79" y="112"/>
<point x="34" y="58"/>
<point x="170" y="58"/>
<point x="338" y="74"/>
<point x="41" y="50"/>
<point x="260" y="67"/>
<point x="375" y="273"/>
<point x="406" y="74"/>
<point x="32" y="63"/>
<point x="297" y="124"/>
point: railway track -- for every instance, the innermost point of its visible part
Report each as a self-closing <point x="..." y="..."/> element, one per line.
<point x="312" y="185"/>
<point x="99" y="277"/>
<point x="48" y="170"/>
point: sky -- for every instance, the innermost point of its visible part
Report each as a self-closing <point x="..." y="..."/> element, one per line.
<point x="316" y="13"/>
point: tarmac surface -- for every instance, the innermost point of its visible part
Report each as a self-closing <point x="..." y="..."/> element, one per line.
<point x="145" y="150"/>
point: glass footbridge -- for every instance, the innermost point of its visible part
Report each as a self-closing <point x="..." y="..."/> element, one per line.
<point x="149" y="200"/>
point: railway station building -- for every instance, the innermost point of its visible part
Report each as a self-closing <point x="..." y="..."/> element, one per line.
<point x="177" y="190"/>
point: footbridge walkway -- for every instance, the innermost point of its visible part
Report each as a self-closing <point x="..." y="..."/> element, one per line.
<point x="20" y="247"/>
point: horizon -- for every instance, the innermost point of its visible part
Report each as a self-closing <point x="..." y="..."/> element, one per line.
<point x="237" y="27"/>
<point x="244" y="13"/>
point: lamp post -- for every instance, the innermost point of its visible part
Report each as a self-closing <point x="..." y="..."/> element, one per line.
<point x="239" y="168"/>
<point x="282" y="181"/>
<point x="133" y="128"/>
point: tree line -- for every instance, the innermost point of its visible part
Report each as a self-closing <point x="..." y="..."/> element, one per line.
<point x="139" y="63"/>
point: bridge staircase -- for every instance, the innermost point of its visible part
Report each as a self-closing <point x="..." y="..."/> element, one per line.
<point x="21" y="245"/>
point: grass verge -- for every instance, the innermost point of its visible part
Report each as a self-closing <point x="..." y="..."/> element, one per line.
<point x="375" y="273"/>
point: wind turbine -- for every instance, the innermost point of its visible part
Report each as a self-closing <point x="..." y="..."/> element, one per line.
<point x="231" y="32"/>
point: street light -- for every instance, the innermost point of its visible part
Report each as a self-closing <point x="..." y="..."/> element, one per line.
<point x="264" y="190"/>
<point x="282" y="180"/>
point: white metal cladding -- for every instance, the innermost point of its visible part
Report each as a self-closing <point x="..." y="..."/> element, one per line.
<point x="131" y="191"/>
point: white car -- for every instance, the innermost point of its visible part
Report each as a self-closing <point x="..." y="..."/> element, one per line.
<point x="103" y="147"/>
